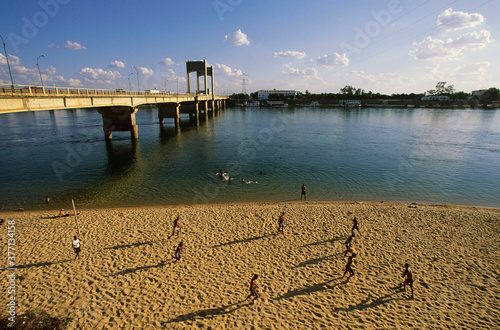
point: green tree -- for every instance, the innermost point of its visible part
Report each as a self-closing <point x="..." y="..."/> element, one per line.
<point x="494" y="93"/>
<point x="441" y="89"/>
<point x="348" y="90"/>
<point x="239" y="97"/>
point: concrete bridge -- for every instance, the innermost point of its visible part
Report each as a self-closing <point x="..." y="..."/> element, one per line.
<point x="117" y="107"/>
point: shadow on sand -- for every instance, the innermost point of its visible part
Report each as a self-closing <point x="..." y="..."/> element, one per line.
<point x="244" y="240"/>
<point x="116" y="247"/>
<point x="39" y="264"/>
<point x="133" y="270"/>
<point x="209" y="313"/>
<point x="326" y="241"/>
<point x="369" y="303"/>
<point x="310" y="289"/>
<point x="311" y="262"/>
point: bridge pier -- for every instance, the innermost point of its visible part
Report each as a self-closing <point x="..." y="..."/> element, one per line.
<point x="191" y="108"/>
<point x="118" y="118"/>
<point x="169" y="110"/>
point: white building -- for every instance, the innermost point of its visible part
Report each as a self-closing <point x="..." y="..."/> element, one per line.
<point x="350" y="103"/>
<point x="435" y="98"/>
<point x="479" y="92"/>
<point x="264" y="94"/>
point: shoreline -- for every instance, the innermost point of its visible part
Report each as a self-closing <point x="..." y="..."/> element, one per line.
<point x="56" y="209"/>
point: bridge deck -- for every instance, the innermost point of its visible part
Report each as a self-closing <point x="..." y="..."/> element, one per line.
<point x="34" y="98"/>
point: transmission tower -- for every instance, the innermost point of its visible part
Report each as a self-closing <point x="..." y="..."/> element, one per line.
<point x="244" y="83"/>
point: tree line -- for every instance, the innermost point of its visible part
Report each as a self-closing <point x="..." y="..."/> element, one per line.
<point x="350" y="92"/>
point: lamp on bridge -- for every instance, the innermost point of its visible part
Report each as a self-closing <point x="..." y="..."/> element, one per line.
<point x="8" y="65"/>
<point x="38" y="66"/>
<point x="129" y="83"/>
<point x="136" y="70"/>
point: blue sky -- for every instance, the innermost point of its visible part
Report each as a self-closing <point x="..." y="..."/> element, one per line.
<point x="386" y="46"/>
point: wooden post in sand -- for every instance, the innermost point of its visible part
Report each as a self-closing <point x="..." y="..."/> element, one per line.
<point x="76" y="218"/>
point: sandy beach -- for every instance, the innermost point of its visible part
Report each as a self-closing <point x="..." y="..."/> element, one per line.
<point x="127" y="278"/>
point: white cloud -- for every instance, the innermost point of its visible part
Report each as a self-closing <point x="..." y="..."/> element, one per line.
<point x="116" y="64"/>
<point x="224" y="70"/>
<point x="471" y="40"/>
<point x="69" y="45"/>
<point x="436" y="49"/>
<point x="166" y="61"/>
<point x="476" y="69"/>
<point x="454" y="20"/>
<point x="376" y="78"/>
<point x="332" y="60"/>
<point x="295" y="72"/>
<point x="145" y="71"/>
<point x="49" y="70"/>
<point x="238" y="38"/>
<point x="13" y="60"/>
<point x="19" y="69"/>
<point x="63" y="82"/>
<point x="291" y="53"/>
<point x="98" y="76"/>
<point x="171" y="75"/>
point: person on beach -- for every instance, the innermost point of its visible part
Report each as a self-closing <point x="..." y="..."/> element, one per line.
<point x="177" y="227"/>
<point x="303" y="194"/>
<point x="409" y="278"/>
<point x="348" y="266"/>
<point x="76" y="243"/>
<point x="281" y="223"/>
<point x="178" y="252"/>
<point x="355" y="226"/>
<point x="253" y="288"/>
<point x="47" y="200"/>
<point x="348" y="243"/>
<point x="62" y="214"/>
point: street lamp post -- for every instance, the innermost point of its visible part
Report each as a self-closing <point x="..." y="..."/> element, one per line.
<point x="136" y="70"/>
<point x="8" y="65"/>
<point x="38" y="66"/>
<point x="129" y="83"/>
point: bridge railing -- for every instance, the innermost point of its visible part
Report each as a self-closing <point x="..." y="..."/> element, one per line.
<point x="20" y="90"/>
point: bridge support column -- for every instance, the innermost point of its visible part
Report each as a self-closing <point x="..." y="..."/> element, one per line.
<point x="202" y="108"/>
<point x="169" y="110"/>
<point x="118" y="118"/>
<point x="218" y="104"/>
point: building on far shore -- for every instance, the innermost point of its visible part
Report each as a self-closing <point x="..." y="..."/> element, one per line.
<point x="264" y="94"/>
<point x="435" y="98"/>
<point x="350" y="103"/>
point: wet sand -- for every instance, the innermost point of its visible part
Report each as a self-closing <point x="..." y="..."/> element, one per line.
<point x="127" y="278"/>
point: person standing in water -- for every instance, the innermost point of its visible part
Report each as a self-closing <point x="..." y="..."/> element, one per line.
<point x="303" y="193"/>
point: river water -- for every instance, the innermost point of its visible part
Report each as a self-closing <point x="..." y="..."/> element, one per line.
<point x="407" y="155"/>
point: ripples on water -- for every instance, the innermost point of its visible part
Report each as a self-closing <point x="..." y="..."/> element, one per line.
<point x="424" y="155"/>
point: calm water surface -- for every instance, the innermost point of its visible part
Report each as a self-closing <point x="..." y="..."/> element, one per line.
<point x="420" y="155"/>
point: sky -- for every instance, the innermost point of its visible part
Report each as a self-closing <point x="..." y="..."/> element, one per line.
<point x="383" y="46"/>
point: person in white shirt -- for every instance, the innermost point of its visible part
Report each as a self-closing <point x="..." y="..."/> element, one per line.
<point x="76" y="247"/>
